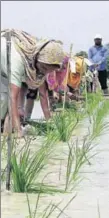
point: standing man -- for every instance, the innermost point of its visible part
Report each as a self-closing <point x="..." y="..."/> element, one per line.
<point x="97" y="54"/>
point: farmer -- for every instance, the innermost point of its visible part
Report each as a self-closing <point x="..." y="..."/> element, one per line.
<point x="25" y="105"/>
<point x="54" y="81"/>
<point x="60" y="81"/>
<point x="31" y="61"/>
<point x="97" y="54"/>
<point x="55" y="85"/>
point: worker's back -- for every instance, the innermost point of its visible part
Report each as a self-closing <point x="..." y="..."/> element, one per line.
<point x="16" y="59"/>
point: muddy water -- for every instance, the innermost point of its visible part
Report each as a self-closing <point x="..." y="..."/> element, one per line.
<point x="94" y="188"/>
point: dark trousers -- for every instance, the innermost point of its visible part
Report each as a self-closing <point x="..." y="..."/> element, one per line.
<point x="32" y="94"/>
<point x="102" y="76"/>
<point x="70" y="89"/>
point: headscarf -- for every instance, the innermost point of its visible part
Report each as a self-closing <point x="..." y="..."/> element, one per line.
<point x="30" y="48"/>
<point x="52" y="53"/>
<point x="58" y="81"/>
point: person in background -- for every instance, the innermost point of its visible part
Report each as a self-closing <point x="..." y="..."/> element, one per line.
<point x="55" y="84"/>
<point x="97" y="54"/>
<point x="31" y="61"/>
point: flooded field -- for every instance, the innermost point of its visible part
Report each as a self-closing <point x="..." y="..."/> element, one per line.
<point x="91" y="192"/>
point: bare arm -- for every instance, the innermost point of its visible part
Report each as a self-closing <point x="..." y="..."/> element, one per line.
<point x="44" y="101"/>
<point x="21" y="100"/>
<point x="14" y="107"/>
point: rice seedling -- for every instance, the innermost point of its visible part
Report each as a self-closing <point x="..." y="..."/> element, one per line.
<point x="14" y="144"/>
<point x="79" y="155"/>
<point x="41" y="128"/>
<point x="49" y="211"/>
<point x="3" y="176"/>
<point x="26" y="167"/>
<point x="68" y="105"/>
<point x="64" y="124"/>
<point x="93" y="101"/>
<point x="99" y="126"/>
<point x="69" y="166"/>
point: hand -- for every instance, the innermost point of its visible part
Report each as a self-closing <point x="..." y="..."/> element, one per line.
<point x="96" y="65"/>
<point x="20" y="134"/>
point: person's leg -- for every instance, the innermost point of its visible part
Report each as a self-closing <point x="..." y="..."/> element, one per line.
<point x="4" y="115"/>
<point x="2" y="126"/>
<point x="4" y="105"/>
<point x="60" y="98"/>
<point x="22" y="94"/>
<point x="4" y="109"/>
<point x="94" y="84"/>
<point x="102" y="76"/>
<point x="71" y="89"/>
<point x="31" y="96"/>
<point x="4" y="97"/>
<point x="21" y="101"/>
<point x="51" y="97"/>
<point x="6" y="127"/>
<point x="91" y="87"/>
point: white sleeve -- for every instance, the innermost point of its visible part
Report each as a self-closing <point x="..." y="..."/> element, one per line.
<point x="17" y="65"/>
<point x="17" y="71"/>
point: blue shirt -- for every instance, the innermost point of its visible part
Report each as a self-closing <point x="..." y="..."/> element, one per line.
<point x="98" y="54"/>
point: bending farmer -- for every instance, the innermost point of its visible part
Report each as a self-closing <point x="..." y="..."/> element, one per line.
<point x="31" y="61"/>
